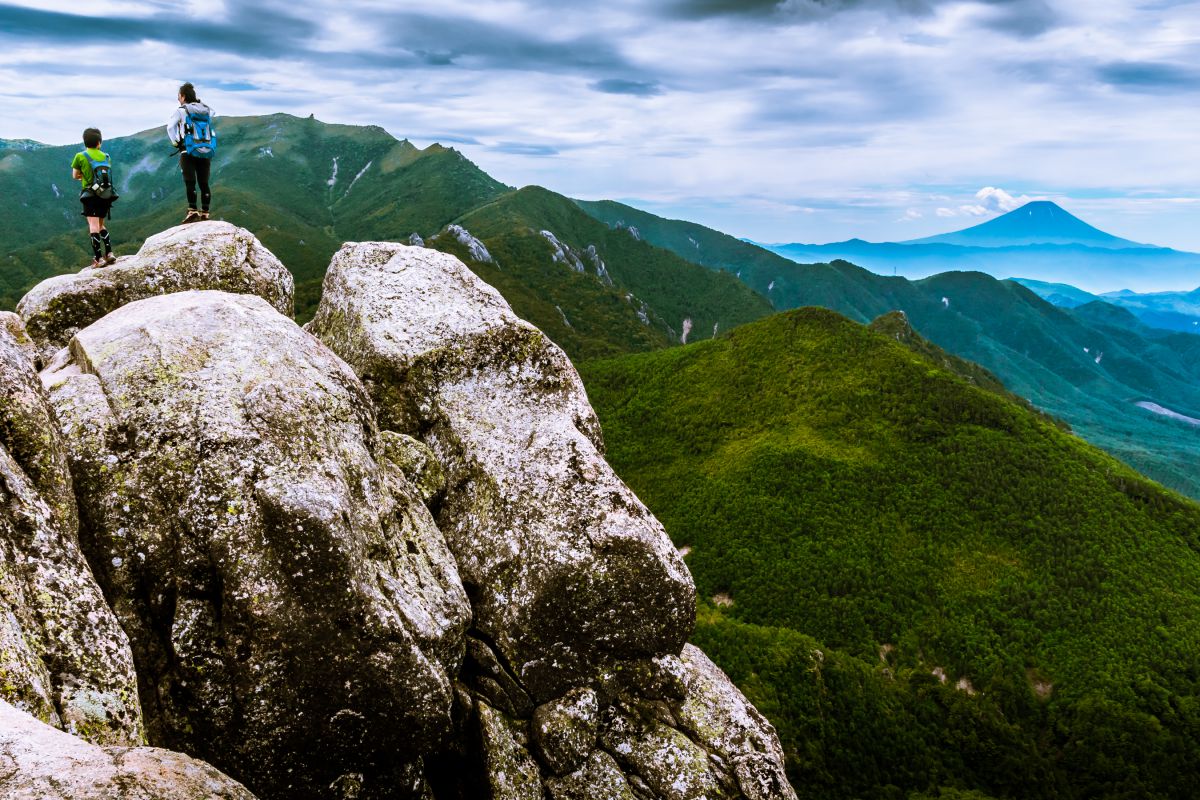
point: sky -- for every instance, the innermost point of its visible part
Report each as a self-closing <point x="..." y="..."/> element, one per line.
<point x="775" y="120"/>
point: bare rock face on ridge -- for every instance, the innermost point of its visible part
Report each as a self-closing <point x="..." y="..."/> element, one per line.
<point x="296" y="617"/>
<point x="203" y="255"/>
<point x="63" y="656"/>
<point x="577" y="682"/>
<point x="38" y="762"/>
<point x="568" y="571"/>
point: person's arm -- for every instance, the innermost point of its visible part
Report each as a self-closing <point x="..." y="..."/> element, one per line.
<point x="75" y="173"/>
<point x="175" y="128"/>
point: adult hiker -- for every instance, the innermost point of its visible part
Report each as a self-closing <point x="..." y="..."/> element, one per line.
<point x="93" y="169"/>
<point x="191" y="132"/>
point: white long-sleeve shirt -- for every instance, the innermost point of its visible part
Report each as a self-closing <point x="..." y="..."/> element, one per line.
<point x="175" y="125"/>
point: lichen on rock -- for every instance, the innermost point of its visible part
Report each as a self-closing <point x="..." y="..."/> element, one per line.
<point x="203" y="255"/>
<point x="568" y="569"/>
<point x="63" y="656"/>
<point x="295" y="614"/>
<point x="38" y="762"/>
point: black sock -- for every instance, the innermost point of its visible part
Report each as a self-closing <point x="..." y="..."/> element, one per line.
<point x="107" y="242"/>
<point x="96" y="245"/>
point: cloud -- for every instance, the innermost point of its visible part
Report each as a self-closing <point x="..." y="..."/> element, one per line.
<point x="790" y="10"/>
<point x="1149" y="76"/>
<point x="525" y="149"/>
<point x="911" y="215"/>
<point x="995" y="200"/>
<point x="1020" y="18"/>
<point x="481" y="44"/>
<point x="622" y="86"/>
<point x="240" y="32"/>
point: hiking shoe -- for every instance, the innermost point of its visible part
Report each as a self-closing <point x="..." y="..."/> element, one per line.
<point x="97" y="263"/>
<point x="110" y="259"/>
<point x="203" y="216"/>
<point x="192" y="216"/>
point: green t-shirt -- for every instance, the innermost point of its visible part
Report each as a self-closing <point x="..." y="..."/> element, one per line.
<point x="81" y="163"/>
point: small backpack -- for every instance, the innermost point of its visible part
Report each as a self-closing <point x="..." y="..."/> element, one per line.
<point x="102" y="185"/>
<point x="199" y="138"/>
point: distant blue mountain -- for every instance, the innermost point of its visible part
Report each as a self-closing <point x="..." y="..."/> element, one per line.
<point x="1173" y="311"/>
<point x="1038" y="241"/>
<point x="1059" y="294"/>
<point x="1038" y="222"/>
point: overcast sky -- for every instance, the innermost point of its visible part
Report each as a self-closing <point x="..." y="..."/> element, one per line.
<point x="778" y="120"/>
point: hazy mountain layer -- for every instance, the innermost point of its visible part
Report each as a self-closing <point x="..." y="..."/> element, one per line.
<point x="1091" y="377"/>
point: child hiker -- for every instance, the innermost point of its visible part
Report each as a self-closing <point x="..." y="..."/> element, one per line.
<point x="93" y="169"/>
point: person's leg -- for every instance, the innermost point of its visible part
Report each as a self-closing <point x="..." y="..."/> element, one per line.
<point x="203" y="169"/>
<point x="94" y="232"/>
<point x="107" y="242"/>
<point x="188" y="165"/>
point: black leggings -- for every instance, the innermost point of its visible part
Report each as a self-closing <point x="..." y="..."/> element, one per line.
<point x="196" y="169"/>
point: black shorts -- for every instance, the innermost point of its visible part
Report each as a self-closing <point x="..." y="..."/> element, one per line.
<point x="95" y="207"/>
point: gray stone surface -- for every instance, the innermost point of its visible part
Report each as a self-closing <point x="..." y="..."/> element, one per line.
<point x="511" y="772"/>
<point x="15" y="327"/>
<point x="38" y="762"/>
<point x="63" y="656"/>
<point x="599" y="778"/>
<point x="294" y="612"/>
<point x="564" y="730"/>
<point x="203" y="255"/>
<point x="718" y="716"/>
<point x="671" y="764"/>
<point x="567" y="569"/>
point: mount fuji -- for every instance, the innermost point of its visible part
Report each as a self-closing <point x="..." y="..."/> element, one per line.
<point x="1040" y="241"/>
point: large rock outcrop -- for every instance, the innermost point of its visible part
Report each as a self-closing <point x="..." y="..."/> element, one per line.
<point x="424" y="582"/>
<point x="296" y="617"/>
<point x="63" y="657"/>
<point x="203" y="255"/>
<point x="574" y="685"/>
<point x="568" y="571"/>
<point x="38" y="762"/>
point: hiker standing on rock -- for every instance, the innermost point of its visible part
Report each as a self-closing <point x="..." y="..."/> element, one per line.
<point x="93" y="169"/>
<point x="191" y="132"/>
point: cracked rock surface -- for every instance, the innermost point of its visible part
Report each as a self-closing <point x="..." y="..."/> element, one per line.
<point x="567" y="569"/>
<point x="203" y="255"/>
<point x="63" y="656"/>
<point x="294" y="612"/>
<point x="407" y="574"/>
<point x="38" y="762"/>
<point x="574" y="684"/>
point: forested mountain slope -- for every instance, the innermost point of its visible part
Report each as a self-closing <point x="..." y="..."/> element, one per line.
<point x="920" y="581"/>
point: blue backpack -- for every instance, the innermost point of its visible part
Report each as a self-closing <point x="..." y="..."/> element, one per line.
<point x="199" y="138"/>
<point x="101" y="185"/>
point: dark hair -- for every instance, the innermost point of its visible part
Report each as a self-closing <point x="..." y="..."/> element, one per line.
<point x="189" y="93"/>
<point x="92" y="137"/>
